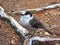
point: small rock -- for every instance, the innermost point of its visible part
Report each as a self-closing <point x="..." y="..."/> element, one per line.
<point x="12" y="41"/>
<point x="58" y="9"/>
<point x="55" y="14"/>
<point x="41" y="33"/>
<point x="56" y="44"/>
<point x="53" y="26"/>
<point x="46" y="13"/>
<point x="46" y="33"/>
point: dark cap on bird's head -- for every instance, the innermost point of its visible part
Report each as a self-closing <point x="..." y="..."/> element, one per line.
<point x="26" y="13"/>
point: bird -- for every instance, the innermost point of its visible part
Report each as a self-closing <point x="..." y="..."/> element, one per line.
<point x="30" y="22"/>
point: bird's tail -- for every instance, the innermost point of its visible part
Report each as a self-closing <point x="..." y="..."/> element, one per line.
<point x="48" y="30"/>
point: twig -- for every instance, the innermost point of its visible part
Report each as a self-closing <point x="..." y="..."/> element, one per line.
<point x="38" y="9"/>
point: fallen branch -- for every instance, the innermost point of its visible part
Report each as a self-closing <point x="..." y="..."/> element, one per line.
<point x="37" y="9"/>
<point x="42" y="39"/>
<point x="13" y="22"/>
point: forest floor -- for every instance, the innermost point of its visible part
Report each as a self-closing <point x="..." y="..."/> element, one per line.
<point x="49" y="18"/>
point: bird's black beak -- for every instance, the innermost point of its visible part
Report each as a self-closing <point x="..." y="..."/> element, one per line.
<point x="21" y="14"/>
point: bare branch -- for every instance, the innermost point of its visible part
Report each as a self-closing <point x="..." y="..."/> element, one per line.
<point x="41" y="39"/>
<point x="37" y="9"/>
<point x="14" y="23"/>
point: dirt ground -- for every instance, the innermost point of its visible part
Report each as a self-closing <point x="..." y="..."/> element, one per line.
<point x="49" y="18"/>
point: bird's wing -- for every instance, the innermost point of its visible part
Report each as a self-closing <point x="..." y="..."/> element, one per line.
<point x="35" y="23"/>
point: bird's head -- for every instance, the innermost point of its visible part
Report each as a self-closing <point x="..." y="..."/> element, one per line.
<point x="26" y="14"/>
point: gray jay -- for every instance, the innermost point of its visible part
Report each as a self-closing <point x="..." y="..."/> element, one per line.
<point x="28" y="21"/>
